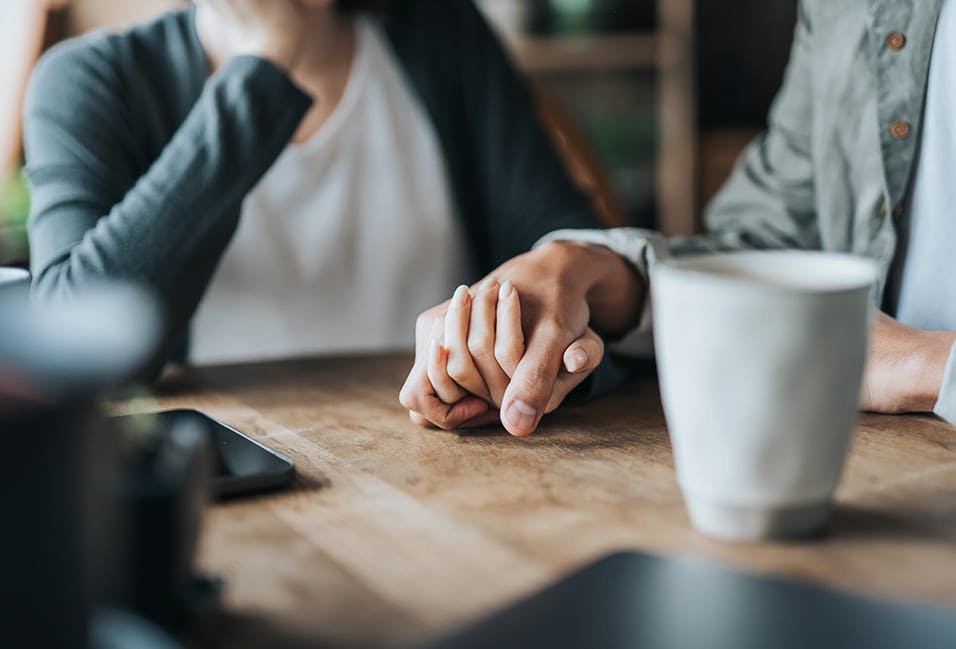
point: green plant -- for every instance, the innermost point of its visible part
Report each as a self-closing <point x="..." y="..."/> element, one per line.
<point x="14" y="209"/>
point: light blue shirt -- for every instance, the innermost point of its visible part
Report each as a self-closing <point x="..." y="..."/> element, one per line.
<point x="925" y="293"/>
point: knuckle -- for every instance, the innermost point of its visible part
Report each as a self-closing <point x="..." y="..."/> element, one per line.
<point x="508" y="355"/>
<point x="554" y="330"/>
<point x="537" y="375"/>
<point x="424" y="322"/>
<point x="480" y="345"/>
<point x="407" y="397"/>
<point x="457" y="370"/>
<point x="533" y="382"/>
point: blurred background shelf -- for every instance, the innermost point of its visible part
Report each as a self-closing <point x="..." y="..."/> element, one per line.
<point x="623" y="71"/>
<point x="580" y="53"/>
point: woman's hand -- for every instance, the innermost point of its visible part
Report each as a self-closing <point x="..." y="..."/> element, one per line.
<point x="275" y="30"/>
<point x="527" y="372"/>
<point x="474" y="345"/>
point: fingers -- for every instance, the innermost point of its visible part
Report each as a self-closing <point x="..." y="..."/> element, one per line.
<point x="509" y="338"/>
<point x="445" y="388"/>
<point x="533" y="382"/>
<point x="461" y="366"/>
<point x="428" y="325"/>
<point x="584" y="354"/>
<point x="418" y="396"/>
<point x="580" y="359"/>
<point x="418" y="419"/>
<point x="481" y="341"/>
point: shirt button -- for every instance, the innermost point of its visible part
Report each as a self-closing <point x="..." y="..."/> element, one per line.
<point x="895" y="41"/>
<point x="898" y="211"/>
<point x="900" y="129"/>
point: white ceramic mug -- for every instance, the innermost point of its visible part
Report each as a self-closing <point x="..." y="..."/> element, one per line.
<point x="761" y="356"/>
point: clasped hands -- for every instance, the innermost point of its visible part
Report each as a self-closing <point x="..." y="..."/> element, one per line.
<point x="516" y="344"/>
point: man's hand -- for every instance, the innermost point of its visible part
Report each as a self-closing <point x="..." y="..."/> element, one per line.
<point x="554" y="292"/>
<point x="275" y="30"/>
<point x="904" y="368"/>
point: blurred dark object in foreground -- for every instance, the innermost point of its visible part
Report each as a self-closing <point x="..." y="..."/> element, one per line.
<point x="49" y="508"/>
<point x="162" y="487"/>
<point x="92" y="517"/>
<point x="638" y="600"/>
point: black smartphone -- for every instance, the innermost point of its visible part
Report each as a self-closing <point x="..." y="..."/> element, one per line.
<point x="241" y="464"/>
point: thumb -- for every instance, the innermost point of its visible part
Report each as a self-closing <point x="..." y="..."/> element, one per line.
<point x="531" y="385"/>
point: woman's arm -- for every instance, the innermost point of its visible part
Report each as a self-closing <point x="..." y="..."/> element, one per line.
<point x="95" y="217"/>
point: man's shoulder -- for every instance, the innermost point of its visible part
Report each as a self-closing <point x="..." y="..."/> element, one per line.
<point x="823" y="13"/>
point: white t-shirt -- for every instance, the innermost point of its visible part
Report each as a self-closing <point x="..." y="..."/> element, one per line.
<point x="347" y="238"/>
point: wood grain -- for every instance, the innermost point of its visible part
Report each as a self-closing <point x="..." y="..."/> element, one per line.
<point x="394" y="533"/>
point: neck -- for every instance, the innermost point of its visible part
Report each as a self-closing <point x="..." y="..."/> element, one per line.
<point x="330" y="44"/>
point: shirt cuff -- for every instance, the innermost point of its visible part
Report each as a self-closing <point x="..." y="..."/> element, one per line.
<point x="641" y="248"/>
<point x="945" y="407"/>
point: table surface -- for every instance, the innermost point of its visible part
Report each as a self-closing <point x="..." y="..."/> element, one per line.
<point x="393" y="533"/>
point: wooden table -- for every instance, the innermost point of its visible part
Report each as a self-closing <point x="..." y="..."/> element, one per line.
<point x="394" y="533"/>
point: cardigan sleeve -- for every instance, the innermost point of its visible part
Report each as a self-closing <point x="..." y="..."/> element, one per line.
<point x="164" y="227"/>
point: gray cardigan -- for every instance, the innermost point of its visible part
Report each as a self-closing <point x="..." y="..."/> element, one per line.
<point x="138" y="163"/>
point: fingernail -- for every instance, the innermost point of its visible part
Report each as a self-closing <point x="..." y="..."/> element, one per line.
<point x="521" y="415"/>
<point x="577" y="360"/>
<point x="506" y="289"/>
<point x="461" y="296"/>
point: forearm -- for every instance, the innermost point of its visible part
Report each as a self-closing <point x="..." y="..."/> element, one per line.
<point x="169" y="228"/>
<point x="909" y="370"/>
<point x="192" y="188"/>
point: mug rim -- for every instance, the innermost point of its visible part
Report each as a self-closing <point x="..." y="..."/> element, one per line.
<point x="863" y="271"/>
<point x="12" y="275"/>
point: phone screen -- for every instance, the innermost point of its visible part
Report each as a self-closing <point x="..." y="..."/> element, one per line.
<point x="241" y="464"/>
